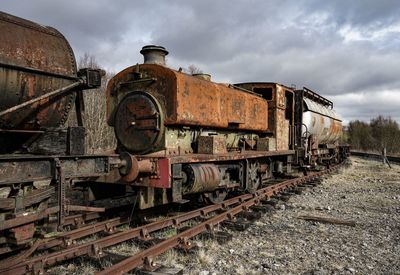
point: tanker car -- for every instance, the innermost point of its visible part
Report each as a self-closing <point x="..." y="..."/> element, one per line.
<point x="180" y="136"/>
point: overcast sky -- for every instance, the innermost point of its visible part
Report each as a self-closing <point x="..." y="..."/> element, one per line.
<point x="348" y="51"/>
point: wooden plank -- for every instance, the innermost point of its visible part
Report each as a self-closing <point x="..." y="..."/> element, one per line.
<point x="327" y="220"/>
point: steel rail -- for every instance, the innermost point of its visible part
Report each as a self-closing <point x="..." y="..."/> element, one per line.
<point x="95" y="247"/>
<point x="74" y="220"/>
<point x="65" y="239"/>
<point x="240" y="203"/>
<point x="182" y="239"/>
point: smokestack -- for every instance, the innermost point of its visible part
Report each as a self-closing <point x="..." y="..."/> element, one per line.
<point x="154" y="54"/>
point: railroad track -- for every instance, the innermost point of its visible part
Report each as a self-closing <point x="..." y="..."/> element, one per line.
<point x="392" y="159"/>
<point x="205" y="220"/>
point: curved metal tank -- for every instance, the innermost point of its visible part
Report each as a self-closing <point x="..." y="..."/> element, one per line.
<point x="34" y="60"/>
<point x="321" y="122"/>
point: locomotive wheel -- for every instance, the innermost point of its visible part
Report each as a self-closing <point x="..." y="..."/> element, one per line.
<point x="216" y="196"/>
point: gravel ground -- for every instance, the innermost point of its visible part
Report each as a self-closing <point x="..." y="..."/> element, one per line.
<point x="367" y="193"/>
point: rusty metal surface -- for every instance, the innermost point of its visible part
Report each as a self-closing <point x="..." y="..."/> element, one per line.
<point x="26" y="168"/>
<point x="30" y="217"/>
<point x="163" y="162"/>
<point x="22" y="233"/>
<point x="201" y="178"/>
<point x="144" y="113"/>
<point x="162" y="179"/>
<point x="34" y="60"/>
<point x="280" y="110"/>
<point x="139" y="125"/>
<point x="211" y="145"/>
<point x="17" y="169"/>
<point x="7" y="267"/>
<point x="204" y="103"/>
<point x="66" y="239"/>
<point x="194" y="102"/>
<point x="192" y="158"/>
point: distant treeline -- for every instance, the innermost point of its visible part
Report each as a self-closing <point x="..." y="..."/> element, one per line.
<point x="379" y="133"/>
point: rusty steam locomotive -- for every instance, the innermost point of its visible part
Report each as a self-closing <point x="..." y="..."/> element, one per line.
<point x="183" y="134"/>
<point x="180" y="136"/>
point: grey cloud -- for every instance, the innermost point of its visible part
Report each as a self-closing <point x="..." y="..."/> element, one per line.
<point x="363" y="13"/>
<point x="365" y="105"/>
<point x="292" y="42"/>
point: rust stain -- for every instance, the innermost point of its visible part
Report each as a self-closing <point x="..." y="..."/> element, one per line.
<point x="225" y="106"/>
<point x="30" y="51"/>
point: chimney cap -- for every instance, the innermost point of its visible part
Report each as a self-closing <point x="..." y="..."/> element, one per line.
<point x="148" y="48"/>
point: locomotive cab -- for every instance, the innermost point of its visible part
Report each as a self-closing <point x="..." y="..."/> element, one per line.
<point x="280" y="112"/>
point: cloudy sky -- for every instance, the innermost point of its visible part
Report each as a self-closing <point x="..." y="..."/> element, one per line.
<point x="349" y="51"/>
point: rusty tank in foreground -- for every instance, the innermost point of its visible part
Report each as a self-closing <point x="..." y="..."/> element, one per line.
<point x="34" y="60"/>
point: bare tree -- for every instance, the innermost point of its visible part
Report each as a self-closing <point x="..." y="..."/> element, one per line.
<point x="360" y="136"/>
<point x="100" y="136"/>
<point x="386" y="134"/>
<point x="380" y="133"/>
<point x="192" y="69"/>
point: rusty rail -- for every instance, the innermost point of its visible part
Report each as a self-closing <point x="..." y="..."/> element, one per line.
<point x="230" y="209"/>
<point x="66" y="239"/>
<point x="145" y="257"/>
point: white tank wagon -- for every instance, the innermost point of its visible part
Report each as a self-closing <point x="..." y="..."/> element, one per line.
<point x="321" y="122"/>
<point x="318" y="128"/>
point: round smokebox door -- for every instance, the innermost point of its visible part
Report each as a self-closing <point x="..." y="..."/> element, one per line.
<point x="139" y="123"/>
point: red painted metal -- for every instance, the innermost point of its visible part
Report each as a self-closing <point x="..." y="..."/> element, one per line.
<point x="163" y="177"/>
